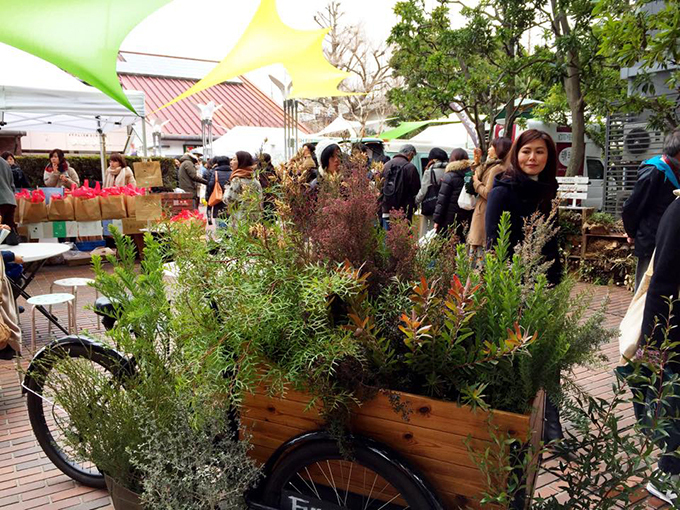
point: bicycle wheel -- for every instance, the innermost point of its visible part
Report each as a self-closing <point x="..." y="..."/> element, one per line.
<point x="49" y="421"/>
<point x="316" y="475"/>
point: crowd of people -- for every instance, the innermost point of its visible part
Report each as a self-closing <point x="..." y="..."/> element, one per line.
<point x="457" y="194"/>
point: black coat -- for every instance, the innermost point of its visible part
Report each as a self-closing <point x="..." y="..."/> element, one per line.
<point x="221" y="173"/>
<point x="642" y="212"/>
<point x="522" y="198"/>
<point x="411" y="185"/>
<point x="666" y="278"/>
<point x="20" y="181"/>
<point x="447" y="212"/>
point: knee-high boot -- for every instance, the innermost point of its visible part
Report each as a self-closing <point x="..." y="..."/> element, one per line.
<point x="552" y="429"/>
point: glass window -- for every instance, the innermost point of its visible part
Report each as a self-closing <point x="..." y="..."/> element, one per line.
<point x="595" y="169"/>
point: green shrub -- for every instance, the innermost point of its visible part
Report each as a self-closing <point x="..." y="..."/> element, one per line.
<point x="89" y="167"/>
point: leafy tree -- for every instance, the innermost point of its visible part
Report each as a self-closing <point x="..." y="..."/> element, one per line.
<point x="584" y="82"/>
<point x="644" y="33"/>
<point x="481" y="69"/>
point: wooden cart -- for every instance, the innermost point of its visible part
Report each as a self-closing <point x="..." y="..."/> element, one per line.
<point x="432" y="441"/>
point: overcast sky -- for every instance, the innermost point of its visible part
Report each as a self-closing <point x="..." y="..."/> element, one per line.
<point x="210" y="28"/>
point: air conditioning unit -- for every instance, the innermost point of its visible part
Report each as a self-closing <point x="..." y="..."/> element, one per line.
<point x="641" y="143"/>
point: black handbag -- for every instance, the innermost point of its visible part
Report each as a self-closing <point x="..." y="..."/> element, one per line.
<point x="12" y="239"/>
<point x="430" y="201"/>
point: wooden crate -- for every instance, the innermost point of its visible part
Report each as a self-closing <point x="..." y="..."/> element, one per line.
<point x="174" y="203"/>
<point x="433" y="439"/>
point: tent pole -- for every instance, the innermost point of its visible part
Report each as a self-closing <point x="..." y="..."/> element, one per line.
<point x="144" y="150"/>
<point x="102" y="148"/>
<point x="102" y="154"/>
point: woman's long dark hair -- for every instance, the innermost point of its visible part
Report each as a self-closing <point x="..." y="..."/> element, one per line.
<point x="502" y="146"/>
<point x="549" y="173"/>
<point x="63" y="164"/>
<point x="244" y="159"/>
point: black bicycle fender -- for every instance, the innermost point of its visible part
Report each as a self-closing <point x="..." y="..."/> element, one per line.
<point x="72" y="340"/>
<point x="389" y="454"/>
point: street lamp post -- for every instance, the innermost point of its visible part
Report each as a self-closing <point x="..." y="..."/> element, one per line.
<point x="290" y="119"/>
<point x="207" y="112"/>
<point x="157" y="133"/>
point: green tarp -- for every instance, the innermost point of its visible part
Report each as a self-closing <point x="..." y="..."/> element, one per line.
<point x="406" y="127"/>
<point x="81" y="37"/>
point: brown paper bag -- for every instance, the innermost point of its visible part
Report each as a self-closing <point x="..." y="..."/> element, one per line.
<point x="148" y="174"/>
<point x="113" y="207"/>
<point x="133" y="226"/>
<point x="32" y="212"/>
<point x="87" y="209"/>
<point x="130" y="206"/>
<point x="61" y="210"/>
<point x="148" y="207"/>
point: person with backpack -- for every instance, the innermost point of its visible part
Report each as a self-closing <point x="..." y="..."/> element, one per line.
<point x="429" y="187"/>
<point x="653" y="193"/>
<point x="401" y="183"/>
<point x="447" y="212"/>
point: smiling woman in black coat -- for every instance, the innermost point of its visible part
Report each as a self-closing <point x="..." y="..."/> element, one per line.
<point x="529" y="186"/>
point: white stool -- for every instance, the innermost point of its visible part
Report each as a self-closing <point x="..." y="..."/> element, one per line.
<point x="50" y="300"/>
<point x="74" y="283"/>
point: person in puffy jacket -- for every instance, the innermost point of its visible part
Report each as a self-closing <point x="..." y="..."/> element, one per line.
<point x="447" y="213"/>
<point x="188" y="177"/>
<point x="432" y="177"/>
<point x="653" y="193"/>
<point x="221" y="172"/>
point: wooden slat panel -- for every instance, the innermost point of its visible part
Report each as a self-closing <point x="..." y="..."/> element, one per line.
<point x="432" y="440"/>
<point x="426" y="412"/>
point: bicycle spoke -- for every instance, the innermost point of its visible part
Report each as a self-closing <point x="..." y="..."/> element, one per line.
<point x="371" y="493"/>
<point x="349" y="478"/>
<point x="313" y="484"/>
<point x="335" y="489"/>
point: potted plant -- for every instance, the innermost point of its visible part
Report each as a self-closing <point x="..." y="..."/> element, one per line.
<point x="160" y="430"/>
<point x="335" y="318"/>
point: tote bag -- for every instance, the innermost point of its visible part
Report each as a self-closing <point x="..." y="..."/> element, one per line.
<point x="466" y="201"/>
<point x="630" y="328"/>
<point x="216" y="195"/>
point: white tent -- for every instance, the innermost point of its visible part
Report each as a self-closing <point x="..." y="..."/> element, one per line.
<point x="24" y="108"/>
<point x="61" y="103"/>
<point x="251" y="139"/>
<point x="339" y="125"/>
<point x="445" y="135"/>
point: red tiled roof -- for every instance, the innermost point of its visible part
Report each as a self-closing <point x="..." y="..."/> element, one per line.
<point x="243" y="104"/>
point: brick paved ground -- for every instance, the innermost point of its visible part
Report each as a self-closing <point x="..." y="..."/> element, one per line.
<point x="28" y="479"/>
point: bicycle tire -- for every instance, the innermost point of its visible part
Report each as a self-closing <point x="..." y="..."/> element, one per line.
<point x="36" y="411"/>
<point x="412" y="491"/>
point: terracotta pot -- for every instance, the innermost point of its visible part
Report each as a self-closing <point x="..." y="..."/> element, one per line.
<point x="122" y="498"/>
